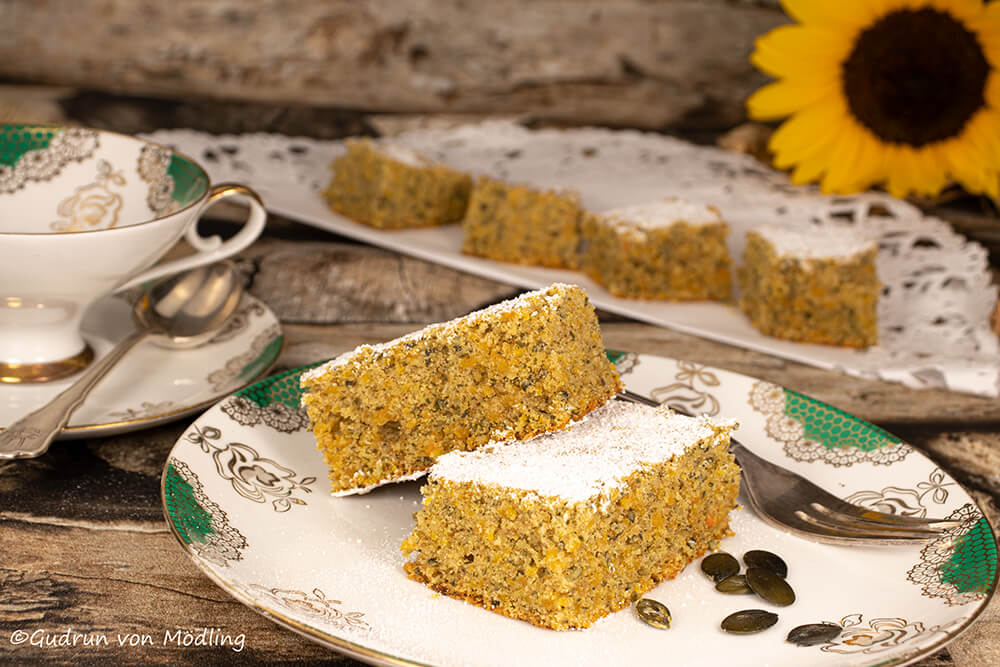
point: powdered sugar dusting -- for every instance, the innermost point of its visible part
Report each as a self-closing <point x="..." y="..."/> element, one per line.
<point x="403" y="154"/>
<point x="361" y="490"/>
<point x="819" y="243"/>
<point x="587" y="459"/>
<point x="548" y="299"/>
<point x="662" y="213"/>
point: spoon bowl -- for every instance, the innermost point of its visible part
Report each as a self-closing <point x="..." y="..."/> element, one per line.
<point x="183" y="311"/>
<point x="186" y="310"/>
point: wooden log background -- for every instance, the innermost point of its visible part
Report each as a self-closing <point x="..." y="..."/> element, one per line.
<point x="619" y="62"/>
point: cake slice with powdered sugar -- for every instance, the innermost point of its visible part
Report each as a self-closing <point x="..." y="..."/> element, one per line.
<point x="566" y="527"/>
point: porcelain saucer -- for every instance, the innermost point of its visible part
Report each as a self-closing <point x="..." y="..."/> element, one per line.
<point x="154" y="384"/>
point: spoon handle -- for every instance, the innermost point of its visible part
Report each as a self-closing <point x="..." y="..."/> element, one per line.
<point x="31" y="435"/>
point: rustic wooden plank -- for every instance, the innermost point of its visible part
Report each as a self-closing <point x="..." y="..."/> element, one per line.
<point x="631" y="62"/>
<point x="343" y="282"/>
<point x="105" y="579"/>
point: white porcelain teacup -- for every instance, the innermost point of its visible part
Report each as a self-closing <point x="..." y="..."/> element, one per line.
<point x="84" y="213"/>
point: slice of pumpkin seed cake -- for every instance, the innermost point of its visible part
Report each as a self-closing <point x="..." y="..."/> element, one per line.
<point x="529" y="365"/>
<point x="566" y="527"/>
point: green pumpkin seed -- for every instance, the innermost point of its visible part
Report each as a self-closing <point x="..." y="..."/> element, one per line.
<point x="766" y="560"/>
<point x="812" y="634"/>
<point x="720" y="565"/>
<point x="770" y="586"/>
<point x="734" y="585"/>
<point x="653" y="613"/>
<point x="749" y="621"/>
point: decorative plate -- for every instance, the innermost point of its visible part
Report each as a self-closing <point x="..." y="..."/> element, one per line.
<point x="245" y="493"/>
<point x="154" y="384"/>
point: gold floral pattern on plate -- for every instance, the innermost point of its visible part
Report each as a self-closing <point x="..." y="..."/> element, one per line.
<point x="146" y="409"/>
<point x="878" y="634"/>
<point x="275" y="415"/>
<point x="315" y="605"/>
<point x="251" y="475"/>
<point x="906" y="501"/>
<point x="690" y="390"/>
<point x="250" y="363"/>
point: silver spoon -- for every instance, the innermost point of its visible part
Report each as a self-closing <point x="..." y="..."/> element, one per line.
<point x="182" y="311"/>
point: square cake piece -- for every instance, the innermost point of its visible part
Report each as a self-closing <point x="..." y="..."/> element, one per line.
<point x="522" y="224"/>
<point x="811" y="286"/>
<point x="567" y="527"/>
<point x="671" y="249"/>
<point x="390" y="186"/>
<point x="529" y="365"/>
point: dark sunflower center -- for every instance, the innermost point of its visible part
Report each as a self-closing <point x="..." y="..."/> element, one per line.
<point x="915" y="77"/>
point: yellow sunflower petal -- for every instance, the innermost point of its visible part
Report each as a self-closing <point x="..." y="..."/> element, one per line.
<point x="963" y="10"/>
<point x="979" y="149"/>
<point x="856" y="163"/>
<point x="987" y="24"/>
<point x="901" y="172"/>
<point x="929" y="170"/>
<point x="989" y="40"/>
<point x="992" y="92"/>
<point x="806" y="133"/>
<point x="810" y="170"/>
<point x="983" y="131"/>
<point x="843" y="161"/>
<point x="869" y="165"/>
<point x="794" y="50"/>
<point x="845" y="13"/>
<point x="965" y="166"/>
<point x="783" y="98"/>
<point x="991" y="15"/>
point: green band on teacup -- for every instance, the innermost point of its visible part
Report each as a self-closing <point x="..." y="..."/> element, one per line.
<point x="189" y="180"/>
<point x="16" y="140"/>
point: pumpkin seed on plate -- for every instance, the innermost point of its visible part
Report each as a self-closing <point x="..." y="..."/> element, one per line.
<point x="812" y="634"/>
<point x="766" y="560"/>
<point x="653" y="613"/>
<point x="770" y="586"/>
<point x="720" y="565"/>
<point x="748" y="621"/>
<point x="734" y="585"/>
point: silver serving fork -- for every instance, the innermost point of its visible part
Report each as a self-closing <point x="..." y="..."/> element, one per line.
<point x="788" y="501"/>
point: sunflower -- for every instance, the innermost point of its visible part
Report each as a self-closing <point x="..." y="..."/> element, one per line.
<point x="904" y="93"/>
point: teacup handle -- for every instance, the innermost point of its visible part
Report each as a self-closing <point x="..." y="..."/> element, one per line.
<point x="211" y="248"/>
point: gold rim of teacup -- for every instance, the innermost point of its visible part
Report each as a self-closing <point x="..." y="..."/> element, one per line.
<point x="194" y="163"/>
<point x="47" y="371"/>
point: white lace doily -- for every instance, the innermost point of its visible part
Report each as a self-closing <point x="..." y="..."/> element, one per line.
<point x="937" y="299"/>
